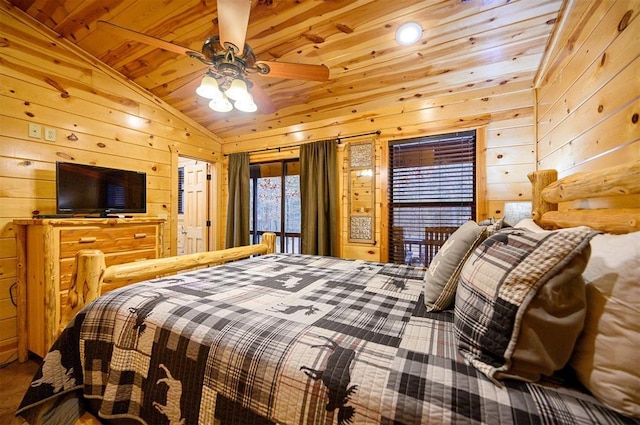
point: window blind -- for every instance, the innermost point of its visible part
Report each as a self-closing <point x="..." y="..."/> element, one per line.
<point x="181" y="190"/>
<point x="432" y="191"/>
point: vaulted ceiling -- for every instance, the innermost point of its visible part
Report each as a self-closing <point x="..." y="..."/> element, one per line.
<point x="466" y="44"/>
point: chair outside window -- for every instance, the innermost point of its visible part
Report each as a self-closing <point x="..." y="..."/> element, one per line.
<point x="398" y="248"/>
<point x="434" y="238"/>
<point x="406" y="249"/>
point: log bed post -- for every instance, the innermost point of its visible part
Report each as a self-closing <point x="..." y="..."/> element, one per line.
<point x="85" y="283"/>
<point x="539" y="180"/>
<point x="269" y="240"/>
<point x="91" y="277"/>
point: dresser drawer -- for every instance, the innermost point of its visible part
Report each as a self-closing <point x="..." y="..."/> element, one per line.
<point x="106" y="239"/>
<point x="67" y="264"/>
<point x="49" y="247"/>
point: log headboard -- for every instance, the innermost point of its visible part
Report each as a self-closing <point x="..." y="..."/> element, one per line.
<point x="620" y="180"/>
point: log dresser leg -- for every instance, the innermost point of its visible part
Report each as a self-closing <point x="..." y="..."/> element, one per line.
<point x="21" y="309"/>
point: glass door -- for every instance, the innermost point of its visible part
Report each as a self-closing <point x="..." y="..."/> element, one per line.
<point x="275" y="203"/>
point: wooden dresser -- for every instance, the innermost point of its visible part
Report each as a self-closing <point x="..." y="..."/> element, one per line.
<point x="46" y="250"/>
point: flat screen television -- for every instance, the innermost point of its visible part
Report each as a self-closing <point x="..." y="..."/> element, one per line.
<point x="88" y="189"/>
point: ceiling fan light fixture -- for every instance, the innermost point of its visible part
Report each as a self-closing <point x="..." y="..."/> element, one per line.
<point x="208" y="88"/>
<point x="237" y="90"/>
<point x="246" y="105"/>
<point x="408" y="33"/>
<point x="229" y="60"/>
<point x="221" y="104"/>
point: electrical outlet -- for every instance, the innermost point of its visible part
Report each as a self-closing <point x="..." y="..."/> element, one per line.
<point x="50" y="134"/>
<point x="35" y="130"/>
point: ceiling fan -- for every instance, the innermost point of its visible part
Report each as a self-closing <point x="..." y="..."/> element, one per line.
<point x="230" y="61"/>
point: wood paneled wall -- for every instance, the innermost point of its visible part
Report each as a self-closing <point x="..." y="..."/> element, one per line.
<point x="99" y="118"/>
<point x="504" y="119"/>
<point x="588" y="92"/>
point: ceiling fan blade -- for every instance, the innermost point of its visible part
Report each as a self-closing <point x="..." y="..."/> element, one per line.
<point x="146" y="39"/>
<point x="295" y="71"/>
<point x="233" y="20"/>
<point x="262" y="100"/>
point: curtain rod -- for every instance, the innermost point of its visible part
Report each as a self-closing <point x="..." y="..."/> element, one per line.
<point x="377" y="133"/>
<point x="339" y="139"/>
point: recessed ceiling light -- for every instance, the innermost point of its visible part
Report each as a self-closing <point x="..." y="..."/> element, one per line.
<point x="408" y="34"/>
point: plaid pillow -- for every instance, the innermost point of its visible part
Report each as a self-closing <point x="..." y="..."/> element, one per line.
<point x="520" y="303"/>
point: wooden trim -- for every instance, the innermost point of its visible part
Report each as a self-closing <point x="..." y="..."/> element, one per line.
<point x="84" y="221"/>
<point x="552" y="43"/>
<point x="482" y="203"/>
<point x="384" y="201"/>
<point x="173" y="213"/>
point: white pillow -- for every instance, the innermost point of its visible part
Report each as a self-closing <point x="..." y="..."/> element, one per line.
<point x="530" y="225"/>
<point x="606" y="355"/>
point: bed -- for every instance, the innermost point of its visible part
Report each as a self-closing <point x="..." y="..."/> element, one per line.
<point x="299" y="339"/>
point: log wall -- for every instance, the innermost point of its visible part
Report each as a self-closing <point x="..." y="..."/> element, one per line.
<point x="504" y="119"/>
<point x="588" y="92"/>
<point x="98" y="117"/>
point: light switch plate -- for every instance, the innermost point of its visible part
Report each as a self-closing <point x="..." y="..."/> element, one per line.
<point x="50" y="134"/>
<point x="35" y="130"/>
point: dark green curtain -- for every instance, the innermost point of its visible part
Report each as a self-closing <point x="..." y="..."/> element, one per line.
<point x="238" y="205"/>
<point x="319" y="198"/>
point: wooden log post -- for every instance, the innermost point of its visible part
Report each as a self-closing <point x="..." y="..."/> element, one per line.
<point x="540" y="180"/>
<point x="85" y="283"/>
<point x="269" y="240"/>
<point x="21" y="308"/>
<point x="52" y="307"/>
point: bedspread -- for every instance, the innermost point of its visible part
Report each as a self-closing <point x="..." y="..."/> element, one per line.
<point x="287" y="339"/>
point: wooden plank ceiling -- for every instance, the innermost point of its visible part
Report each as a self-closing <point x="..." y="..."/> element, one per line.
<point x="466" y="44"/>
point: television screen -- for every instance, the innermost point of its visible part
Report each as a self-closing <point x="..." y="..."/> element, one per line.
<point x="88" y="189"/>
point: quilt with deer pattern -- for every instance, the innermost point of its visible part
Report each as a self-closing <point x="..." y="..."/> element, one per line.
<point x="285" y="339"/>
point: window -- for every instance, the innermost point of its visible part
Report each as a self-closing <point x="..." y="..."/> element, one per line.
<point x="432" y="191"/>
<point x="275" y="203"/>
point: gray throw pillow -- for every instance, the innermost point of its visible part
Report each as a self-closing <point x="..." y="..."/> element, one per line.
<point x="441" y="280"/>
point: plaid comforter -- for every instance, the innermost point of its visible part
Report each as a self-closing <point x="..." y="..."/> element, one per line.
<point x="287" y="339"/>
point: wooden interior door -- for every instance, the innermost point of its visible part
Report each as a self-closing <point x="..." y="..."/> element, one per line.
<point x="195" y="207"/>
